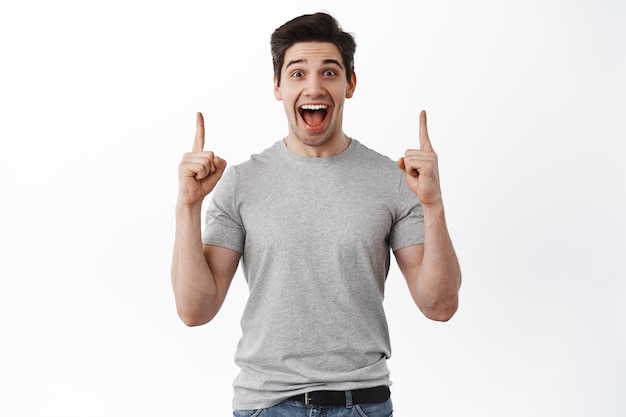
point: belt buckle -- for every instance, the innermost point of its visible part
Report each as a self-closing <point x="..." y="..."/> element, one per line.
<point x="307" y="399"/>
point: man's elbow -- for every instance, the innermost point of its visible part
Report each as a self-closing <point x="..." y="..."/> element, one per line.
<point x="193" y="322"/>
<point x="193" y="319"/>
<point x="441" y="312"/>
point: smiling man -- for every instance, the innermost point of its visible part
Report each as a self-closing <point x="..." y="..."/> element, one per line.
<point x="313" y="220"/>
<point x="313" y="86"/>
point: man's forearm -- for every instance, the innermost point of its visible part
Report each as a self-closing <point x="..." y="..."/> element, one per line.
<point x="439" y="277"/>
<point x="192" y="281"/>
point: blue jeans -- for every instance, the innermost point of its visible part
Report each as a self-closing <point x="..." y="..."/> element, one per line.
<point x="298" y="409"/>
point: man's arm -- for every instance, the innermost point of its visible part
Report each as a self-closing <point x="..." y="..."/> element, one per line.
<point x="432" y="269"/>
<point x="201" y="274"/>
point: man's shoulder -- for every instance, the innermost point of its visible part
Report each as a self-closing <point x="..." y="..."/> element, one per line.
<point x="253" y="171"/>
<point x="267" y="156"/>
<point x="366" y="155"/>
<point x="365" y="151"/>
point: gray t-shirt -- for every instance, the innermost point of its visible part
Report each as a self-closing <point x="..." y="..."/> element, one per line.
<point x="315" y="237"/>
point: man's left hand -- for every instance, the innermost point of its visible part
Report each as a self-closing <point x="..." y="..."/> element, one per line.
<point x="421" y="169"/>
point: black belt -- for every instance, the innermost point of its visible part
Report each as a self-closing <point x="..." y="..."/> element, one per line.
<point x="359" y="396"/>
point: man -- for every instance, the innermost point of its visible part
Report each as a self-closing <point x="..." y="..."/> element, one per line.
<point x="313" y="219"/>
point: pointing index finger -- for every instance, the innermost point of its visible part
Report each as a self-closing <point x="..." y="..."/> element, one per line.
<point x="424" y="139"/>
<point x="198" y="141"/>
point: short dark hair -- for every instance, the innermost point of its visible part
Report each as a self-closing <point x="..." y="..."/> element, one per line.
<point x="318" y="27"/>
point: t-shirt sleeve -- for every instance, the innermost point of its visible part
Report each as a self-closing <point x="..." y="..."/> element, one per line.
<point x="408" y="227"/>
<point x="223" y="225"/>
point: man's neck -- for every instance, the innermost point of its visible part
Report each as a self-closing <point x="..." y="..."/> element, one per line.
<point x="333" y="147"/>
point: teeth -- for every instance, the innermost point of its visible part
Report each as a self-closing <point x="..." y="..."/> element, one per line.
<point x="314" y="107"/>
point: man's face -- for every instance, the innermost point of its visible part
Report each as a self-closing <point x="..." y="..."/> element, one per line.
<point x="313" y="88"/>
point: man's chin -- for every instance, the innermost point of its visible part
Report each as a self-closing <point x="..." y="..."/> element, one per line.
<point x="314" y="138"/>
<point x="314" y="142"/>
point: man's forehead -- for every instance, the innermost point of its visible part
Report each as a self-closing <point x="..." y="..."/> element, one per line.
<point x="312" y="52"/>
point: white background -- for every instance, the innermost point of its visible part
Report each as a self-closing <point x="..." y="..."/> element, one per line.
<point x="527" y="110"/>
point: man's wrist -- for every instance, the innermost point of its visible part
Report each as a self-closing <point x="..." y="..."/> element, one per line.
<point x="433" y="206"/>
<point x="183" y="208"/>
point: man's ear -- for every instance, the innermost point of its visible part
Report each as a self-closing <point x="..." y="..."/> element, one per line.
<point x="277" y="93"/>
<point x="351" y="86"/>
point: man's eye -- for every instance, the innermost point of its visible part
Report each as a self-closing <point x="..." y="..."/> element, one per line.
<point x="297" y="74"/>
<point x="329" y="73"/>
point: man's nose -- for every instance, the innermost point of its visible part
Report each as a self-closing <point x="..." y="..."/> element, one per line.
<point x="314" y="86"/>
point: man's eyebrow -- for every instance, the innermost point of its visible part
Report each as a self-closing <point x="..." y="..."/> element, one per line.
<point x="325" y="62"/>
<point x="333" y="61"/>
<point x="295" y="61"/>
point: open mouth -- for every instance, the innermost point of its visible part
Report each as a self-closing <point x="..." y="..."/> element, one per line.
<point x="313" y="115"/>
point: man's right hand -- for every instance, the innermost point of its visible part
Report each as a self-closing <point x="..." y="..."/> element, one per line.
<point x="199" y="171"/>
